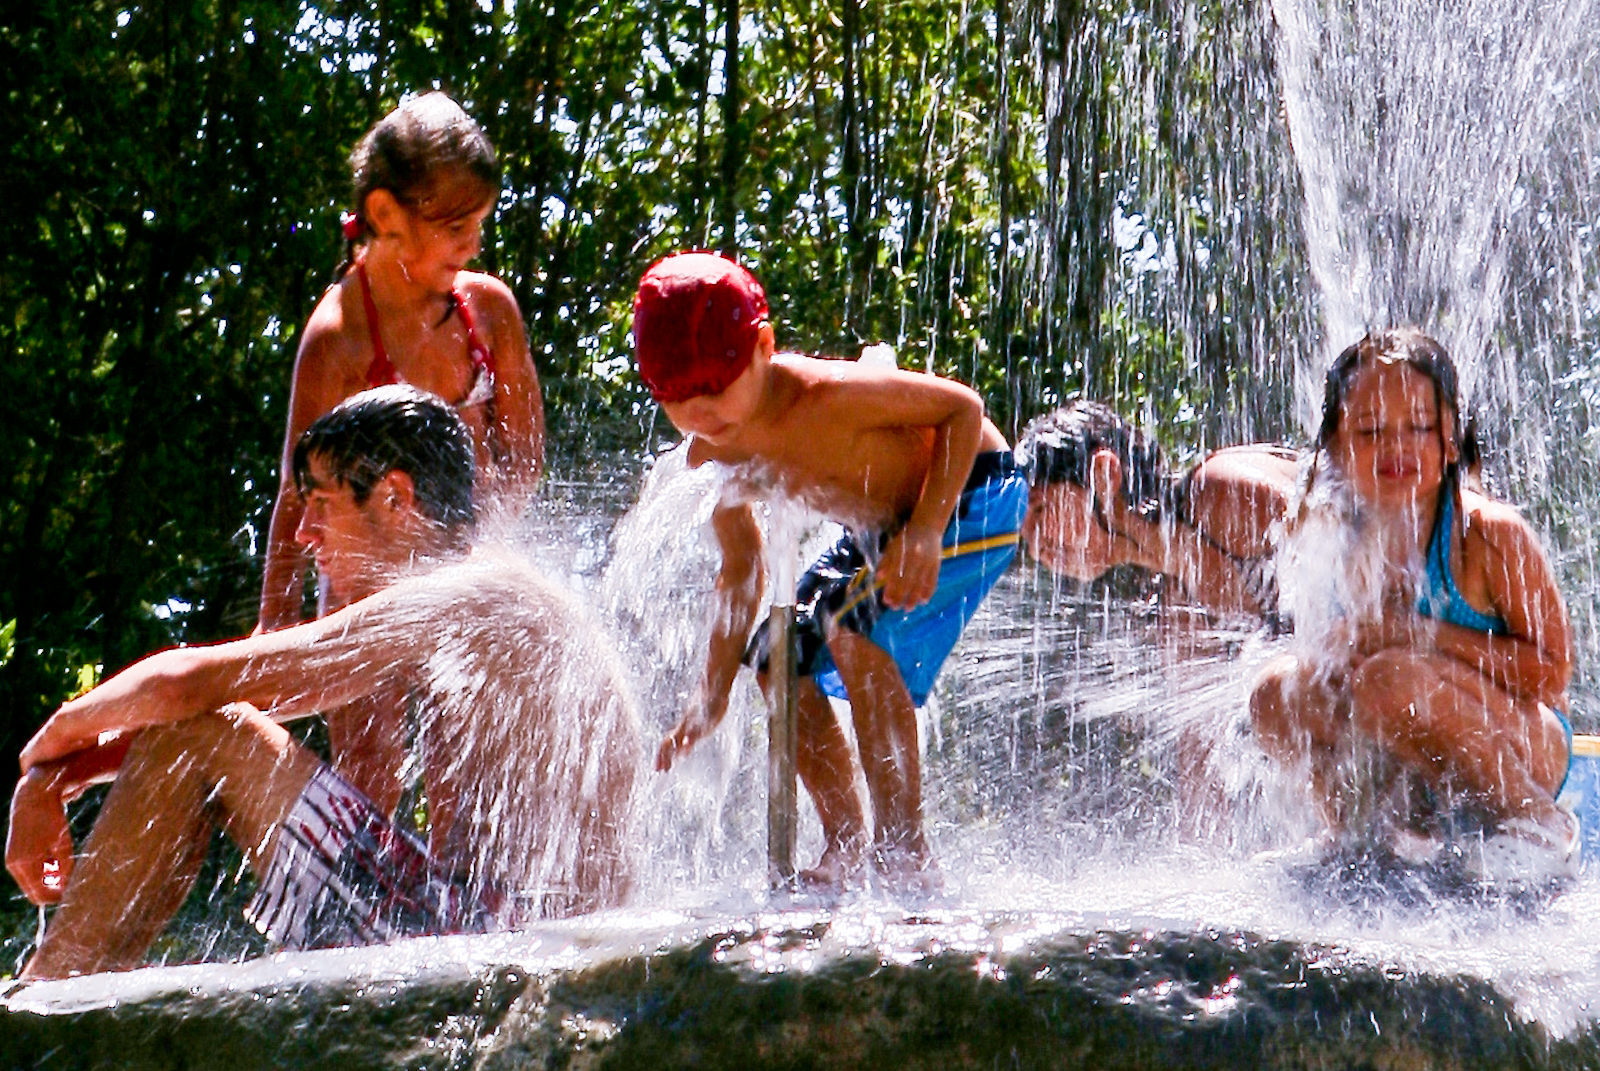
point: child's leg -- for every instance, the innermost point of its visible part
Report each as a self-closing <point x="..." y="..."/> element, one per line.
<point x="828" y="770"/>
<point x="886" y="733"/>
<point x="144" y="853"/>
<point x="1302" y="721"/>
<point x="1449" y="722"/>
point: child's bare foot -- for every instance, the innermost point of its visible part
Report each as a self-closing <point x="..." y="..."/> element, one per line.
<point x="909" y="870"/>
<point x="841" y="867"/>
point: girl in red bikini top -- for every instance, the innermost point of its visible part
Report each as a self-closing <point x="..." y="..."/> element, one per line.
<point x="382" y="372"/>
<point x="425" y="179"/>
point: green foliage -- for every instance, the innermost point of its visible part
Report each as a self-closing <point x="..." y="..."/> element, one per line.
<point x="945" y="177"/>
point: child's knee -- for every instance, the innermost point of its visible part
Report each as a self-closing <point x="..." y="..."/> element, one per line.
<point x="1269" y="698"/>
<point x="1389" y="679"/>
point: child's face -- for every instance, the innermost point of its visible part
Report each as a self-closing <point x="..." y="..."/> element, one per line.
<point x="436" y="250"/>
<point x="1062" y="531"/>
<point x="350" y="542"/>
<point x="717" y="418"/>
<point x="1390" y="443"/>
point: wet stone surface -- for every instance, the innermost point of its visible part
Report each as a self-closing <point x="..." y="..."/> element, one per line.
<point x="788" y="991"/>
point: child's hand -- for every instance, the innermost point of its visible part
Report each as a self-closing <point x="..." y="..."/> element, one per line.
<point x="39" y="844"/>
<point x="688" y="732"/>
<point x="909" y="568"/>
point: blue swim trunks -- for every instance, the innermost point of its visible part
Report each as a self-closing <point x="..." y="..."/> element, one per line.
<point x="979" y="543"/>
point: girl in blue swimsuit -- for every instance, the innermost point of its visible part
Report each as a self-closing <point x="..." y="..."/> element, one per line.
<point x="1450" y="680"/>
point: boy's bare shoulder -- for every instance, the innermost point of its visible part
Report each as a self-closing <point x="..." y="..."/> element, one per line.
<point x="853" y="393"/>
<point x="815" y="374"/>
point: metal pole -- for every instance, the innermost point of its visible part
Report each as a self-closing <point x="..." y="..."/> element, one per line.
<point x="782" y="752"/>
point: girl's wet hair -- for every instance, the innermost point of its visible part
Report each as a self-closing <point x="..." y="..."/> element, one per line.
<point x="398" y="427"/>
<point x="1058" y="446"/>
<point x="431" y="156"/>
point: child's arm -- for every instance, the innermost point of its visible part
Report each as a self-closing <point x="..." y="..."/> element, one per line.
<point x="736" y="603"/>
<point x="886" y="397"/>
<point x="1208" y="574"/>
<point x="1535" y="660"/>
<point x="289" y="673"/>
<point x="518" y="403"/>
<point x="1236" y="496"/>
<point x="318" y="385"/>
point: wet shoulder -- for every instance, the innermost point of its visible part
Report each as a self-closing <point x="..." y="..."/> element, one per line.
<point x="1259" y="463"/>
<point x="1242" y="489"/>
<point x="1495" y="528"/>
<point x="486" y="293"/>
<point x="492" y="583"/>
<point x="335" y="347"/>
<point x="828" y="391"/>
<point x="810" y="373"/>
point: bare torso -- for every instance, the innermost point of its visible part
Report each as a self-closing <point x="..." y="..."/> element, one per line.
<point x="815" y="449"/>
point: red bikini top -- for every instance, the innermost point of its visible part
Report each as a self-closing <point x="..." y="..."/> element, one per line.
<point x="382" y="372"/>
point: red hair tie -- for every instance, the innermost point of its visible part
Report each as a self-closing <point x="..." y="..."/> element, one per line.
<point x="350" y="225"/>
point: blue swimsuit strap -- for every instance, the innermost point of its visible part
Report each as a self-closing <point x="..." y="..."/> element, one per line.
<point x="1455" y="609"/>
<point x="1451" y="606"/>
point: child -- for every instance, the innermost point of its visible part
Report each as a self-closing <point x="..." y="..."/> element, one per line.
<point x="425" y="178"/>
<point x="1449" y="678"/>
<point x="908" y="462"/>
<point x="1100" y="498"/>
<point x="528" y="750"/>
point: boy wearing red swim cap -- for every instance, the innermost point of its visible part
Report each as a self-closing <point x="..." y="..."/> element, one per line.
<point x="908" y="463"/>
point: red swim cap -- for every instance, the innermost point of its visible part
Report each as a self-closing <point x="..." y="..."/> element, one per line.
<point x="695" y="322"/>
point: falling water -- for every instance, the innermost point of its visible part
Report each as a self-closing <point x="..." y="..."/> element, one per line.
<point x="1087" y="757"/>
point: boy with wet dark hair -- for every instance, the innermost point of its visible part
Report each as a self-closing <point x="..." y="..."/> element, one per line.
<point x="1100" y="497"/>
<point x="1060" y="446"/>
<point x="528" y="772"/>
<point x="394" y="429"/>
<point x="908" y="463"/>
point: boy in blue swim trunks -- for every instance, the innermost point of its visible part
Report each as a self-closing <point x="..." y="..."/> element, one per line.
<point x="924" y="483"/>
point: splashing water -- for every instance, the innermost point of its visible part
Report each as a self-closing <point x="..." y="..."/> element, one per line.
<point x="1087" y="752"/>
<point x="1087" y="757"/>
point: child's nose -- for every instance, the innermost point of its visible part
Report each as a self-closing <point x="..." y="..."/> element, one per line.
<point x="308" y="531"/>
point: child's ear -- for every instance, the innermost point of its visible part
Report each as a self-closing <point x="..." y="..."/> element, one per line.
<point x="384" y="213"/>
<point x="766" y="340"/>
<point x="397" y="490"/>
<point x="1105" y="477"/>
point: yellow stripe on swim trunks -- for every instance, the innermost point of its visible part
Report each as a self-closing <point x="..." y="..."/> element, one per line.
<point x="861" y="591"/>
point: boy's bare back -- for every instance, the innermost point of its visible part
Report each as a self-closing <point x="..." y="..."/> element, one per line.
<point x="853" y="442"/>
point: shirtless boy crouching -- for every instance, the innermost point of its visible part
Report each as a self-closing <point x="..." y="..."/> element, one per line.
<point x="528" y="770"/>
<point x="908" y="463"/>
